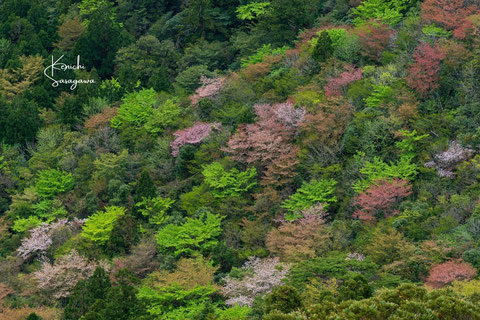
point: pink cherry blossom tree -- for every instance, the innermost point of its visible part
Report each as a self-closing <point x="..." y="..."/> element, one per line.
<point x="193" y="135"/>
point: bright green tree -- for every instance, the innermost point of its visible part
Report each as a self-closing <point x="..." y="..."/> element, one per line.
<point x="155" y="209"/>
<point x="52" y="182"/>
<point x="99" y="226"/>
<point x="228" y="183"/>
<point x="136" y="108"/>
<point x="387" y="11"/>
<point x="316" y="191"/>
<point x="195" y="234"/>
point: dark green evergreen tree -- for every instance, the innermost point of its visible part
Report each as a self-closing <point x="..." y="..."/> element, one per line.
<point x="145" y="187"/>
<point x="33" y="316"/>
<point x="323" y="49"/>
<point x="85" y="294"/>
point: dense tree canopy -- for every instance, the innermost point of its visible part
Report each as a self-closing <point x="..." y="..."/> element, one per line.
<point x="239" y="159"/>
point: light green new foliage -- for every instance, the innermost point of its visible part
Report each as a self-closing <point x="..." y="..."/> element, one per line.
<point x="381" y="95"/>
<point x="252" y="10"/>
<point x="195" y="234"/>
<point x="136" y="109"/>
<point x="155" y="209"/>
<point x="99" y="225"/>
<point x="236" y="312"/>
<point x="316" y="191"/>
<point x="22" y="224"/>
<point x="166" y="115"/>
<point x="174" y="302"/>
<point x="377" y="170"/>
<point x="388" y="11"/>
<point x="52" y="182"/>
<point x="265" y="50"/>
<point x="408" y="144"/>
<point x="436" y="32"/>
<point x="228" y="183"/>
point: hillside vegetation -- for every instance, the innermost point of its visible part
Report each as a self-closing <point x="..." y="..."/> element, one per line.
<point x="240" y="159"/>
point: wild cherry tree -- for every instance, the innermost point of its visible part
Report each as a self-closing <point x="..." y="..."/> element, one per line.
<point x="445" y="162"/>
<point x="336" y="86"/>
<point x="209" y="89"/>
<point x="374" y="38"/>
<point x="41" y="238"/>
<point x="192" y="135"/>
<point x="424" y="73"/>
<point x="301" y="239"/>
<point x="260" y="277"/>
<point x="60" y="278"/>
<point x="447" y="272"/>
<point x="380" y="197"/>
<point x="267" y="142"/>
<point x="450" y="14"/>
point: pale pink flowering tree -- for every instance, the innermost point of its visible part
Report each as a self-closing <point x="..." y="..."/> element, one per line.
<point x="209" y="89"/>
<point x="446" y="162"/>
<point x="60" y="278"/>
<point x="193" y="135"/>
<point x="263" y="276"/>
<point x="40" y="238"/>
<point x="335" y="86"/>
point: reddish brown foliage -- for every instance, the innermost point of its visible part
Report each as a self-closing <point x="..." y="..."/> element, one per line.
<point x="450" y="14"/>
<point x="22" y="313"/>
<point x="295" y="241"/>
<point x="449" y="271"/>
<point x="267" y="141"/>
<point x="374" y="38"/>
<point x="102" y="119"/>
<point x="322" y="130"/>
<point x="424" y="73"/>
<point x="335" y="86"/>
<point x="380" y="197"/>
<point x="254" y="72"/>
<point x="302" y="239"/>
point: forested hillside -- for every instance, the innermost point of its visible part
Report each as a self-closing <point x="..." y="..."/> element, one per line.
<point x="239" y="159"/>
